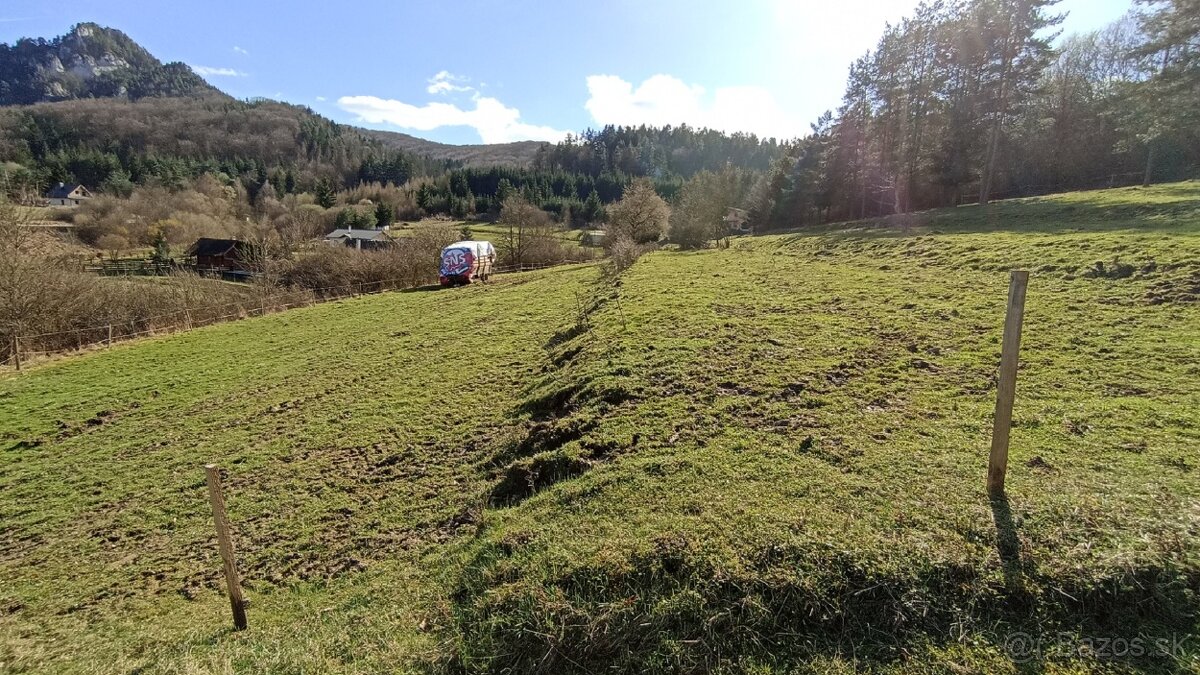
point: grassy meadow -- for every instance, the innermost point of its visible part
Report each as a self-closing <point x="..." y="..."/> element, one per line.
<point x="762" y="459"/>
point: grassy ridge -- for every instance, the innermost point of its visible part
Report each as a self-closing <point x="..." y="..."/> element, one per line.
<point x="762" y="459"/>
<point x="349" y="431"/>
<point x="775" y="455"/>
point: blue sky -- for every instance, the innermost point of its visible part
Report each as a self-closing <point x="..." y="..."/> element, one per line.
<point x="466" y="71"/>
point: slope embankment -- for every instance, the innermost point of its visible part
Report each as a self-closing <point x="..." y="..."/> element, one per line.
<point x="773" y="457"/>
<point x="767" y="458"/>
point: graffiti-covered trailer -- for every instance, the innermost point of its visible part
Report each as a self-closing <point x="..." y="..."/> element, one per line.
<point x="465" y="261"/>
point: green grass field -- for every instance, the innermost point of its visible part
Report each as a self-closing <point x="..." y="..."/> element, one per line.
<point x="762" y="459"/>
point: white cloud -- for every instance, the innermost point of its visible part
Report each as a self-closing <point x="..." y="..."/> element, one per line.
<point x="445" y="82"/>
<point x="320" y="98"/>
<point x="206" y="71"/>
<point x="664" y="99"/>
<point x="239" y="50"/>
<point x="494" y="121"/>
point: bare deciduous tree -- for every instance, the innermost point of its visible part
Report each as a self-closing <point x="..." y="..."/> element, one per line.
<point x="529" y="236"/>
<point x="641" y="215"/>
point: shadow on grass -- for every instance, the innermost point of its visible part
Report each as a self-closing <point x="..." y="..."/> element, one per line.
<point x="422" y="289"/>
<point x="1007" y="543"/>
<point x="664" y="608"/>
<point x="1171" y="207"/>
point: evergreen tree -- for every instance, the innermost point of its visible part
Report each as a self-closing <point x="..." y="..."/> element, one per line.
<point x="325" y="194"/>
<point x="593" y="210"/>
<point x="1168" y="104"/>
<point x="1018" y="51"/>
<point x="425" y="197"/>
<point x="385" y="215"/>
<point x="162" y="250"/>
<point x="118" y="184"/>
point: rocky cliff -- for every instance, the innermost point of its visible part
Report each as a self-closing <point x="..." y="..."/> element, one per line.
<point x="89" y="61"/>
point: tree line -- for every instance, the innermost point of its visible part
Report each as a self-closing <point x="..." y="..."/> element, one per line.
<point x="576" y="179"/>
<point x="671" y="151"/>
<point x="969" y="101"/>
<point x="113" y="145"/>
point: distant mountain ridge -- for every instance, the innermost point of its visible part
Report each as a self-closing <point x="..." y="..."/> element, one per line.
<point x="90" y="61"/>
<point x="94" y="107"/>
<point x="95" y="62"/>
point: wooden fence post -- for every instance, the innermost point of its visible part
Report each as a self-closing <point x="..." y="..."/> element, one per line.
<point x="226" y="545"/>
<point x="16" y="349"/>
<point x="109" y="335"/>
<point x="1007" y="389"/>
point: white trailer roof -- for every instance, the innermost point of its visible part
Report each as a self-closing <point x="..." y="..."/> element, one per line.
<point x="478" y="247"/>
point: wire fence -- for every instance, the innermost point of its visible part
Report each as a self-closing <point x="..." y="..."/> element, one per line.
<point x="25" y="348"/>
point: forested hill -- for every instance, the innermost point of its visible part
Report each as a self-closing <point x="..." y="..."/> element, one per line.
<point x="89" y="61"/>
<point x="516" y="154"/>
<point x="659" y="151"/>
<point x="111" y="144"/>
<point x="94" y="107"/>
<point x="96" y="62"/>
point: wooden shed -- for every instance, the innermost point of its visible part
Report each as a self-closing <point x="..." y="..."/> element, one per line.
<point x="220" y="255"/>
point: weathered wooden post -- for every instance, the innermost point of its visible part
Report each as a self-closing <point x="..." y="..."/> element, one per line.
<point x="16" y="349"/>
<point x="109" y="335"/>
<point x="226" y="545"/>
<point x="1007" y="389"/>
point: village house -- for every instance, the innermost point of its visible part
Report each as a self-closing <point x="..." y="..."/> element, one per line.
<point x="359" y="239"/>
<point x="735" y="220"/>
<point x="65" y="194"/>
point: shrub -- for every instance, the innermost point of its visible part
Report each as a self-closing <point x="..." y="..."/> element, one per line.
<point x="411" y="261"/>
<point x="623" y="252"/>
<point x="641" y="215"/>
<point x="115" y="244"/>
<point x="53" y="307"/>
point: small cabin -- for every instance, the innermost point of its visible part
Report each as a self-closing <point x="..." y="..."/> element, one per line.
<point x="65" y="194"/>
<point x="359" y="239"/>
<point x="220" y="255"/>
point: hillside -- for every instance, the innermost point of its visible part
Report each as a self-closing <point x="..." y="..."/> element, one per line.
<point x="761" y="459"/>
<point x="97" y="62"/>
<point x="521" y="153"/>
<point x="90" y="61"/>
<point x="94" y="107"/>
